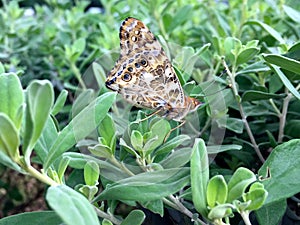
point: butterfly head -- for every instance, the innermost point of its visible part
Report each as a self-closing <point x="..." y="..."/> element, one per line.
<point x="193" y="103"/>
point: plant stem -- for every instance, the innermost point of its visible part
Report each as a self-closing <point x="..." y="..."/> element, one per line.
<point x="107" y="216"/>
<point x="282" y="116"/>
<point x="77" y="74"/>
<point x="121" y="166"/>
<point x="41" y="177"/>
<point x="242" y="112"/>
<point x="245" y="216"/>
<point x="176" y="204"/>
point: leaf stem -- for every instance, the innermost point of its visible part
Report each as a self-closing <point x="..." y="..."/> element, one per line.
<point x="242" y="112"/>
<point x="107" y="216"/>
<point x="121" y="166"/>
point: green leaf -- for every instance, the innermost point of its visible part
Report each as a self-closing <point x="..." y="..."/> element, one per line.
<point x="106" y="222"/>
<point x="135" y="217"/>
<point x="128" y="148"/>
<point x="63" y="165"/>
<point x="199" y="176"/>
<point x="178" y="158"/>
<point x="77" y="49"/>
<point x="292" y="13"/>
<point x="172" y="144"/>
<point x="99" y="72"/>
<point x="269" y="29"/>
<point x="46" y="140"/>
<point x="238" y="183"/>
<point x="271" y="213"/>
<point x="231" y="47"/>
<point x="259" y="95"/>
<point x="283" y="62"/>
<point x="101" y="151"/>
<point x="181" y="16"/>
<point x="256" y="197"/>
<point x="88" y="191"/>
<point x="282" y="183"/>
<point x="81" y="126"/>
<point x="59" y="103"/>
<point x="7" y="161"/>
<point x="216" y="191"/>
<point x="12" y="98"/>
<point x="147" y="186"/>
<point x="39" y="100"/>
<point x="234" y="124"/>
<point x="108" y="171"/>
<point x="286" y="81"/>
<point x="156" y="206"/>
<point x="292" y="128"/>
<point x="30" y="218"/>
<point x="136" y="140"/>
<point x="72" y="207"/>
<point x="220" y="211"/>
<point x="254" y="68"/>
<point x="91" y="173"/>
<point x="107" y="130"/>
<point x="9" y="137"/>
<point x="159" y="130"/>
<point x="214" y="149"/>
<point x="246" y="55"/>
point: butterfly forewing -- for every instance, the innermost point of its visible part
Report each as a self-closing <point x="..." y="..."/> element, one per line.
<point x="144" y="76"/>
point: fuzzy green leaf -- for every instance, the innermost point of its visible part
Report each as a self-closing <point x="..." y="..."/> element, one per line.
<point x="81" y="126"/>
<point x="216" y="191"/>
<point x="135" y="217"/>
<point x="199" y="176"/>
<point x="238" y="183"/>
<point x="72" y="207"/>
<point x="12" y="98"/>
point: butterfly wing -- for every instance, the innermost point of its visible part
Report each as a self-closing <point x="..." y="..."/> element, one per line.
<point x="143" y="75"/>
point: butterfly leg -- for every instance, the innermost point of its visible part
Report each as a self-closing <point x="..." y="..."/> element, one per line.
<point x="150" y="115"/>
<point x="169" y="133"/>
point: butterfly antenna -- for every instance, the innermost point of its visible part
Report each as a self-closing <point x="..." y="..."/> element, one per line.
<point x="224" y="72"/>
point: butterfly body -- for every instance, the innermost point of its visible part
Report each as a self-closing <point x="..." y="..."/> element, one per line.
<point x="144" y="76"/>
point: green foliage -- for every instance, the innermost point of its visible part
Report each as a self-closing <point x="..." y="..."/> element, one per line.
<point x="64" y="51"/>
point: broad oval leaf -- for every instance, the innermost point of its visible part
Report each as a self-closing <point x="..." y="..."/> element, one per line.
<point x="284" y="62"/>
<point x="81" y="126"/>
<point x="59" y="103"/>
<point x="282" y="183"/>
<point x="30" y="218"/>
<point x="39" y="100"/>
<point x="292" y="13"/>
<point x="147" y="186"/>
<point x="271" y="213"/>
<point x="285" y="81"/>
<point x="12" y="98"/>
<point x="216" y="191"/>
<point x="135" y="217"/>
<point x="199" y="176"/>
<point x="259" y="95"/>
<point x="246" y="54"/>
<point x="275" y="34"/>
<point x="72" y="207"/>
<point x="238" y="183"/>
<point x="9" y="137"/>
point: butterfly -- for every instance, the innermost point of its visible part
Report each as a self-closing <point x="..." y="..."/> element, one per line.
<point x="144" y="76"/>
